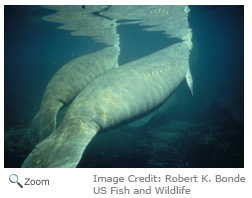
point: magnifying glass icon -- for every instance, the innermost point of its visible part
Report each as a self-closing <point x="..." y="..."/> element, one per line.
<point x="14" y="179"/>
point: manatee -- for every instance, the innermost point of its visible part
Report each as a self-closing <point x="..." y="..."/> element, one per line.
<point x="116" y="98"/>
<point x="66" y="84"/>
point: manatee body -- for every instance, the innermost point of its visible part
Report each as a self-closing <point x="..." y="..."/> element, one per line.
<point x="120" y="96"/>
<point x="66" y="84"/>
<point x="164" y="108"/>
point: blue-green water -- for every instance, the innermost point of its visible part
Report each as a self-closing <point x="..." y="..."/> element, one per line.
<point x="204" y="131"/>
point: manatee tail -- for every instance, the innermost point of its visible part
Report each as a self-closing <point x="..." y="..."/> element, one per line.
<point x="64" y="147"/>
<point x="42" y="125"/>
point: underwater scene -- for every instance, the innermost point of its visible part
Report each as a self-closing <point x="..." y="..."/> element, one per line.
<point x="124" y="86"/>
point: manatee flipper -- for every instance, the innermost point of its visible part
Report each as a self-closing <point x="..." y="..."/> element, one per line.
<point x="189" y="81"/>
<point x="66" y="85"/>
<point x="64" y="147"/>
<point x="142" y="121"/>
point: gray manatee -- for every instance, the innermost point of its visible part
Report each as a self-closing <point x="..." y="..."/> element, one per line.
<point x="66" y="84"/>
<point x="118" y="97"/>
